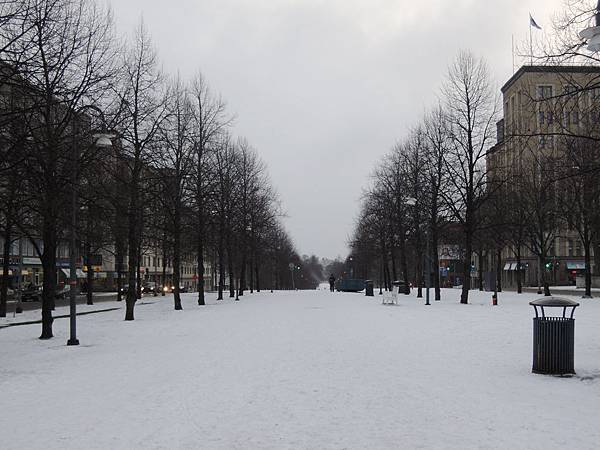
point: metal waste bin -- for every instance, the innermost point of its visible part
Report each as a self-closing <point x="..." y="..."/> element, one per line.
<point x="369" y="288"/>
<point x="402" y="286"/>
<point x="554" y="337"/>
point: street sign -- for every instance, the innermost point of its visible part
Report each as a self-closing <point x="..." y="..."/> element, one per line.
<point x="94" y="260"/>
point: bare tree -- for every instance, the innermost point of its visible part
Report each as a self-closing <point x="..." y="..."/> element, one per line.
<point x="544" y="221"/>
<point x="210" y="121"/>
<point x="63" y="55"/>
<point x="176" y="133"/>
<point x="579" y="196"/>
<point x="143" y="108"/>
<point x="472" y="110"/>
<point x="439" y="142"/>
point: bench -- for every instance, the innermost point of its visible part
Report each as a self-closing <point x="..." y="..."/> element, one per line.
<point x="391" y="297"/>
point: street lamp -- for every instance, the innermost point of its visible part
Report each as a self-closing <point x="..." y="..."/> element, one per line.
<point x="413" y="202"/>
<point x="592" y="34"/>
<point x="101" y="140"/>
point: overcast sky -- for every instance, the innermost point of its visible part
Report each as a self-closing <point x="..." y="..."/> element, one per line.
<point x="322" y="89"/>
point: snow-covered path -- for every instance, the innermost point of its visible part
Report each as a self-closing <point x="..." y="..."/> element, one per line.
<point x="300" y="370"/>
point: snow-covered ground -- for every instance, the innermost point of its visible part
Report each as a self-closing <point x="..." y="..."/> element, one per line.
<point x="299" y="370"/>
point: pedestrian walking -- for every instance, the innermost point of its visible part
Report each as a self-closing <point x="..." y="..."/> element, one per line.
<point x="332" y="283"/>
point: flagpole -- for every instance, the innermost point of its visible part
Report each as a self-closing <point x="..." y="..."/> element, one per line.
<point x="530" y="43"/>
<point x="512" y="43"/>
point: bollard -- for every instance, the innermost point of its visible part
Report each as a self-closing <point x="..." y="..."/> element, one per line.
<point x="369" y="288"/>
<point x="494" y="299"/>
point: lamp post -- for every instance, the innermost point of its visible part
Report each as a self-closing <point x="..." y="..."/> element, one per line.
<point x="592" y="34"/>
<point x="427" y="260"/>
<point x="102" y="140"/>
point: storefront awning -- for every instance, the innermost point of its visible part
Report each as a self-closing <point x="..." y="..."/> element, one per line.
<point x="80" y="273"/>
<point x="575" y="265"/>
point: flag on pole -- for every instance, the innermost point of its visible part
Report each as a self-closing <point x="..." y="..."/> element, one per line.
<point x="533" y="23"/>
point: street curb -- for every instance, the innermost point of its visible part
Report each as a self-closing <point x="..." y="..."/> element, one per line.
<point x="64" y="316"/>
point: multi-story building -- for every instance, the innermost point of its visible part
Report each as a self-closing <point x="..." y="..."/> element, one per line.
<point x="542" y="105"/>
<point x="24" y="257"/>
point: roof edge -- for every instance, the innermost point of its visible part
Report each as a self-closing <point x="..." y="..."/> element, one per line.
<point x="550" y="69"/>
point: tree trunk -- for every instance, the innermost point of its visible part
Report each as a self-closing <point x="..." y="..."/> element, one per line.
<point x="5" y="268"/>
<point x="49" y="283"/>
<point x="464" y="295"/>
<point x="519" y="272"/>
<point x="138" y="284"/>
<point x="251" y="269"/>
<point x="242" y="279"/>
<point x="257" y="277"/>
<point x="499" y="269"/>
<point x="588" y="271"/>
<point x="221" y="274"/>
<point x="393" y="258"/>
<point x="385" y="273"/>
<point x="90" y="274"/>
<point x="230" y="271"/>
<point x="119" y="264"/>
<point x="480" y="269"/>
<point x="597" y="254"/>
<point x="419" y="272"/>
<point x="404" y="264"/>
<point x="177" y="261"/>
<point x="544" y="281"/>
<point x="388" y="275"/>
<point x="435" y="270"/>
<point x="132" y="254"/>
<point x="164" y="269"/>
<point x="200" y="256"/>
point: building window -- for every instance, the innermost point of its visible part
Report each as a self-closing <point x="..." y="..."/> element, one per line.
<point x="541" y="117"/>
<point x="546" y="141"/>
<point x="570" y="248"/>
<point x="570" y="89"/>
<point x="512" y="109"/>
<point x="575" y="117"/>
<point x="596" y="93"/>
<point x="578" y="251"/>
<point x="544" y="92"/>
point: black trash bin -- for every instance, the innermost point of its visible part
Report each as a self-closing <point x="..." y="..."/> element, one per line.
<point x="402" y="286"/>
<point x="369" y="288"/>
<point x="554" y="337"/>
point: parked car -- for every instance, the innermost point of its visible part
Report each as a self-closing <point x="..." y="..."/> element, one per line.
<point x="63" y="292"/>
<point x="170" y="289"/>
<point x="31" y="293"/>
<point x="125" y="289"/>
<point x="181" y="289"/>
<point x="150" y="288"/>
